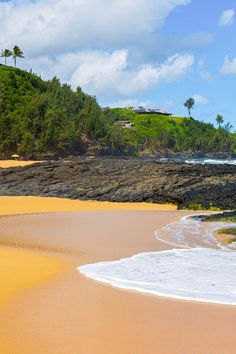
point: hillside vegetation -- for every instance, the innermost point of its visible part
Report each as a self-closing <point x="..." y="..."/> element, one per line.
<point x="39" y="118"/>
<point x="44" y="117"/>
<point x="152" y="133"/>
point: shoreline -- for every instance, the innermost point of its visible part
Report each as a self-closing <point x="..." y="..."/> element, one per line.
<point x="70" y="311"/>
<point x="121" y="284"/>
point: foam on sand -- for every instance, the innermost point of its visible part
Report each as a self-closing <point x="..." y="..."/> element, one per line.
<point x="191" y="274"/>
<point x="190" y="232"/>
<point x="201" y="269"/>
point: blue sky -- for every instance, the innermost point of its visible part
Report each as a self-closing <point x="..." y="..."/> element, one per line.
<point x="218" y="89"/>
<point x="155" y="53"/>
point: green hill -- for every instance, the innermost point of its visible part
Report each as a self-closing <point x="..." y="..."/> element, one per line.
<point x="39" y="118"/>
<point x="44" y="117"/>
<point x="153" y="133"/>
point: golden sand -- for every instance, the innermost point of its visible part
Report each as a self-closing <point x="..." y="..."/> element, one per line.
<point x="74" y="315"/>
<point x="22" y="269"/>
<point x="15" y="163"/>
<point x="29" y="205"/>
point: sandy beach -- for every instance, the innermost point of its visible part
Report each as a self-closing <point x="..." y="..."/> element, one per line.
<point x="29" y="205"/>
<point x="54" y="309"/>
<point x="16" y="163"/>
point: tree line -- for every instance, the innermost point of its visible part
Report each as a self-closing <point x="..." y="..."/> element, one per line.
<point x="39" y="118"/>
<point x="155" y="133"/>
<point x="189" y="104"/>
<point x="15" y="53"/>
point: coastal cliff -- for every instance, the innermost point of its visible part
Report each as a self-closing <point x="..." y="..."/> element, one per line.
<point x="125" y="180"/>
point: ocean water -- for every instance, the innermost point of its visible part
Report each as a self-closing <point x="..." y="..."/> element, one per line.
<point x="197" y="267"/>
<point x="202" y="161"/>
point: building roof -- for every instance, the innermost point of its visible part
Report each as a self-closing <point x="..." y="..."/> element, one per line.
<point x="142" y="110"/>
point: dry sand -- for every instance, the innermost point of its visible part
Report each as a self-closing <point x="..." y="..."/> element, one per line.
<point x="29" y="205"/>
<point x="15" y="163"/>
<point x="22" y="269"/>
<point x="73" y="315"/>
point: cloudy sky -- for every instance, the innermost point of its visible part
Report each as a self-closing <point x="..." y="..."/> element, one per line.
<point x="155" y="53"/>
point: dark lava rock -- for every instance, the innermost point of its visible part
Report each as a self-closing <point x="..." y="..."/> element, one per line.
<point x="125" y="180"/>
<point x="217" y="216"/>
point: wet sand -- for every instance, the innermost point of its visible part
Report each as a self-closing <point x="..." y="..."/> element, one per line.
<point x="72" y="314"/>
<point x="225" y="239"/>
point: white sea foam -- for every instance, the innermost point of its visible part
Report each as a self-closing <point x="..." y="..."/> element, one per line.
<point x="191" y="274"/>
<point x="200" y="269"/>
<point x="189" y="232"/>
<point x="211" y="162"/>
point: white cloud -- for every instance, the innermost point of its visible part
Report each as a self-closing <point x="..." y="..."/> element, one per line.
<point x="149" y="75"/>
<point x="58" y="26"/>
<point x="199" y="99"/>
<point x="100" y="73"/>
<point x="227" y="17"/>
<point x="229" y="66"/>
<point x="133" y="102"/>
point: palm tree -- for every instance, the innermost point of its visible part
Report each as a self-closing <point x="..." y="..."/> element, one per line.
<point x="219" y="120"/>
<point x="17" y="53"/>
<point x="6" y="53"/>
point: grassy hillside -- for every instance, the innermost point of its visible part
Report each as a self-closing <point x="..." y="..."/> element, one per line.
<point x="152" y="133"/>
<point x="39" y="118"/>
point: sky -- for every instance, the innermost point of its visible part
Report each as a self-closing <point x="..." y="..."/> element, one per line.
<point x="151" y="53"/>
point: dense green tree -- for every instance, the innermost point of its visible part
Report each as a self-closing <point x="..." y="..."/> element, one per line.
<point x="219" y="120"/>
<point x="49" y="117"/>
<point x="189" y="104"/>
<point x="26" y="147"/>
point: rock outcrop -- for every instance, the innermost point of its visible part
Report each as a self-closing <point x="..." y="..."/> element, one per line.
<point x="125" y="180"/>
<point x="226" y="215"/>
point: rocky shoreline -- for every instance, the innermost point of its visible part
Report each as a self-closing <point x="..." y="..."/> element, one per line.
<point x="125" y="180"/>
<point x="226" y="215"/>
